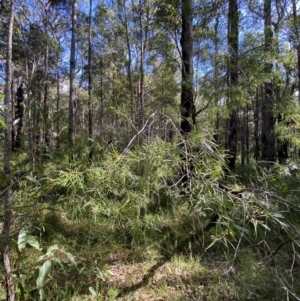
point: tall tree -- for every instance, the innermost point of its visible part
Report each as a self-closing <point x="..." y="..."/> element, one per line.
<point x="10" y="294"/>
<point x="123" y="16"/>
<point x="233" y="47"/>
<point x="90" y="107"/>
<point x="268" y="151"/>
<point x="297" y="41"/>
<point x="72" y="75"/>
<point x="188" y="116"/>
<point x="46" y="87"/>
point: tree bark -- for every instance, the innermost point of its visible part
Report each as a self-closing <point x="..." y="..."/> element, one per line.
<point x="188" y="115"/>
<point x="18" y="119"/>
<point x="10" y="294"/>
<point x="216" y="76"/>
<point x="233" y="45"/>
<point x="268" y="151"/>
<point x="282" y="148"/>
<point x="57" y="105"/>
<point x="72" y="76"/>
<point x="297" y="42"/>
<point x="129" y="60"/>
<point x="46" y="87"/>
<point x="256" y="111"/>
<point x="247" y="136"/>
<point x="90" y="105"/>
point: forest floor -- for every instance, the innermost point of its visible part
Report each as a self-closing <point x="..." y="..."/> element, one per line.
<point x="79" y="235"/>
<point x="143" y="273"/>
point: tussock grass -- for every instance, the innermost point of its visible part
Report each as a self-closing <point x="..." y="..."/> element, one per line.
<point x="193" y="241"/>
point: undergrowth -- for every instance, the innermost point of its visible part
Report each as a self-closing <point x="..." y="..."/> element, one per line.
<point x="129" y="226"/>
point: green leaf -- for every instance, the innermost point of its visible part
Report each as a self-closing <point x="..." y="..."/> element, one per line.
<point x="24" y="238"/>
<point x="71" y="258"/>
<point x="33" y="242"/>
<point x="32" y="179"/>
<point x="28" y="166"/>
<point x="44" y="271"/>
<point x="51" y="249"/>
<point x="41" y="293"/>
<point x="39" y="169"/>
<point x="49" y="253"/>
<point x="3" y="124"/>
<point x="93" y="291"/>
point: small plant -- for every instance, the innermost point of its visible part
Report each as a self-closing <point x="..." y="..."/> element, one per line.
<point x="52" y="256"/>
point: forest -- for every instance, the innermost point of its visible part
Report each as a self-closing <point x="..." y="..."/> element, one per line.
<point x="150" y="150"/>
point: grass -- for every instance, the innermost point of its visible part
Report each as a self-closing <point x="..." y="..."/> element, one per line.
<point x="169" y="253"/>
<point x="141" y="272"/>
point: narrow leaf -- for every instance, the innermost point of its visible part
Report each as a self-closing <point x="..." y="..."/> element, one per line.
<point x="93" y="291"/>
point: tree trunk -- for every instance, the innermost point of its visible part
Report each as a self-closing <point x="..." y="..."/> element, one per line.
<point x="18" y="119"/>
<point x="268" y="151"/>
<point x="247" y="136"/>
<point x="72" y="76"/>
<point x="46" y="87"/>
<point x="90" y="106"/>
<point x="57" y="106"/>
<point x="282" y="150"/>
<point x="140" y="112"/>
<point x="216" y="76"/>
<point x="101" y="95"/>
<point x="187" y="95"/>
<point x="129" y="60"/>
<point x="256" y="111"/>
<point x="10" y="294"/>
<point x="233" y="45"/>
<point x="297" y="42"/>
<point x="243" y="138"/>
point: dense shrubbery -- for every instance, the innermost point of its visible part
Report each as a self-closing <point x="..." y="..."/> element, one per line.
<point x="136" y="206"/>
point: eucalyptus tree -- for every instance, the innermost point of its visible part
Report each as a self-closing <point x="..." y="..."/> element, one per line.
<point x="72" y="96"/>
<point x="46" y="85"/>
<point x="90" y="105"/>
<point x="10" y="293"/>
<point x="187" y="95"/>
<point x="109" y="71"/>
<point x="296" y="39"/>
<point x="233" y="48"/>
<point x="268" y="150"/>
<point x="124" y="17"/>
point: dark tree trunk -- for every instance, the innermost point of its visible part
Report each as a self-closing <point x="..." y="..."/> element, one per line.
<point x="243" y="138"/>
<point x="256" y="111"/>
<point x="188" y="114"/>
<point x="10" y="293"/>
<point x="57" y="106"/>
<point x="247" y="136"/>
<point x="233" y="45"/>
<point x="282" y="148"/>
<point x="187" y="95"/>
<point x="216" y="76"/>
<point x="268" y="151"/>
<point x="296" y="33"/>
<point x="18" y="120"/>
<point x="90" y="105"/>
<point x="101" y="95"/>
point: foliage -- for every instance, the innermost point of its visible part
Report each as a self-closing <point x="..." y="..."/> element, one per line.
<point x="133" y="207"/>
<point x="138" y="210"/>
